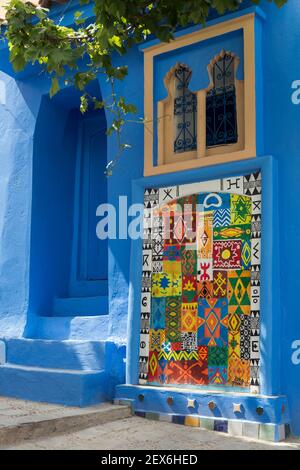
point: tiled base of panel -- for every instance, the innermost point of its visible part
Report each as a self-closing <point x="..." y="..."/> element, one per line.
<point x="259" y="431"/>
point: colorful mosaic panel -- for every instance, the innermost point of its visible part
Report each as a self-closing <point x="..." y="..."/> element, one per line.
<point x="200" y="302"/>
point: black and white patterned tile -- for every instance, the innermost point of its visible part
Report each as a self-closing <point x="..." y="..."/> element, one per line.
<point x="252" y="184"/>
<point x="254" y="375"/>
<point x="143" y="369"/>
<point x="255" y="251"/>
<point x="151" y="198"/>
<point x="256" y="204"/>
<point x="255" y="298"/>
<point x="245" y="335"/>
<point x="167" y="194"/>
<point x="233" y="185"/>
<point x="147" y="260"/>
<point x="146" y="302"/>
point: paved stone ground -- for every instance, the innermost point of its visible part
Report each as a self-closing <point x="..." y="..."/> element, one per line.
<point x="141" y="434"/>
<point x="12" y="409"/>
<point x="24" y="420"/>
<point x="129" y="433"/>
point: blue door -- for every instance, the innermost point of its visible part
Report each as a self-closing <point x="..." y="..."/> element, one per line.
<point x="90" y="258"/>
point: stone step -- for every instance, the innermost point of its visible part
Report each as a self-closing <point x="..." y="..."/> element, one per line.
<point x="55" y="354"/>
<point x="72" y="327"/>
<point x="73" y="373"/>
<point x="80" y="306"/>
<point x="48" y="421"/>
<point x="63" y="386"/>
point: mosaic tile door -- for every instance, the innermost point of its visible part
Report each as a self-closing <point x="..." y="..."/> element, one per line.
<point x="200" y="303"/>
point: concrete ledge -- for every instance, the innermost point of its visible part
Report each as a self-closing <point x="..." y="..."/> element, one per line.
<point x="23" y="428"/>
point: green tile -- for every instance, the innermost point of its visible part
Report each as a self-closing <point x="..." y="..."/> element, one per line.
<point x="165" y="417"/>
<point x="154" y="416"/>
<point x="251" y="430"/>
<point x="267" y="432"/>
<point x="206" y="423"/>
<point x="235" y="428"/>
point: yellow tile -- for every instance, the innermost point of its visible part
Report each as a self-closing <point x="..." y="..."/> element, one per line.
<point x="192" y="421"/>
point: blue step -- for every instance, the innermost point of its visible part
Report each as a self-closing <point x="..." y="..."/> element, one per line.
<point x="84" y="306"/>
<point x="66" y="387"/>
<point x="62" y="328"/>
<point x="74" y="355"/>
<point x="73" y="373"/>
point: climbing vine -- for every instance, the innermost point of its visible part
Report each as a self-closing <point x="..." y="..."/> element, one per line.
<point x="77" y="54"/>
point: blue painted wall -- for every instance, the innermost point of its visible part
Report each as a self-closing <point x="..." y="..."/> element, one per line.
<point x="17" y="124"/>
<point x="23" y="115"/>
<point x="129" y="167"/>
<point x="281" y="55"/>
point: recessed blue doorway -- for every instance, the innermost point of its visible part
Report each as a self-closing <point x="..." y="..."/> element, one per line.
<point x="68" y="263"/>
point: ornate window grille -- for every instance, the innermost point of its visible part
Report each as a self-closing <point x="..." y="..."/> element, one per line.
<point x="221" y="114"/>
<point x="185" y="112"/>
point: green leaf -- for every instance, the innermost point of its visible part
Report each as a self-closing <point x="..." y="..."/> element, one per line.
<point x="34" y="37"/>
<point x="18" y="62"/>
<point x="98" y="104"/>
<point x="54" y="87"/>
<point x="83" y="104"/>
<point x="115" y="41"/>
<point x="78" y="14"/>
<point x="81" y="79"/>
<point x="78" y="18"/>
<point x="126" y="107"/>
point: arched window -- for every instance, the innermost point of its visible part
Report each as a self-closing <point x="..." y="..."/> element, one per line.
<point x="211" y="118"/>
<point x="177" y="117"/>
<point x="185" y="112"/>
<point x="221" y="107"/>
<point x="202" y="123"/>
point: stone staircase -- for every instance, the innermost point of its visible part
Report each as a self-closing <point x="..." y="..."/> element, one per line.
<point x="71" y="372"/>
